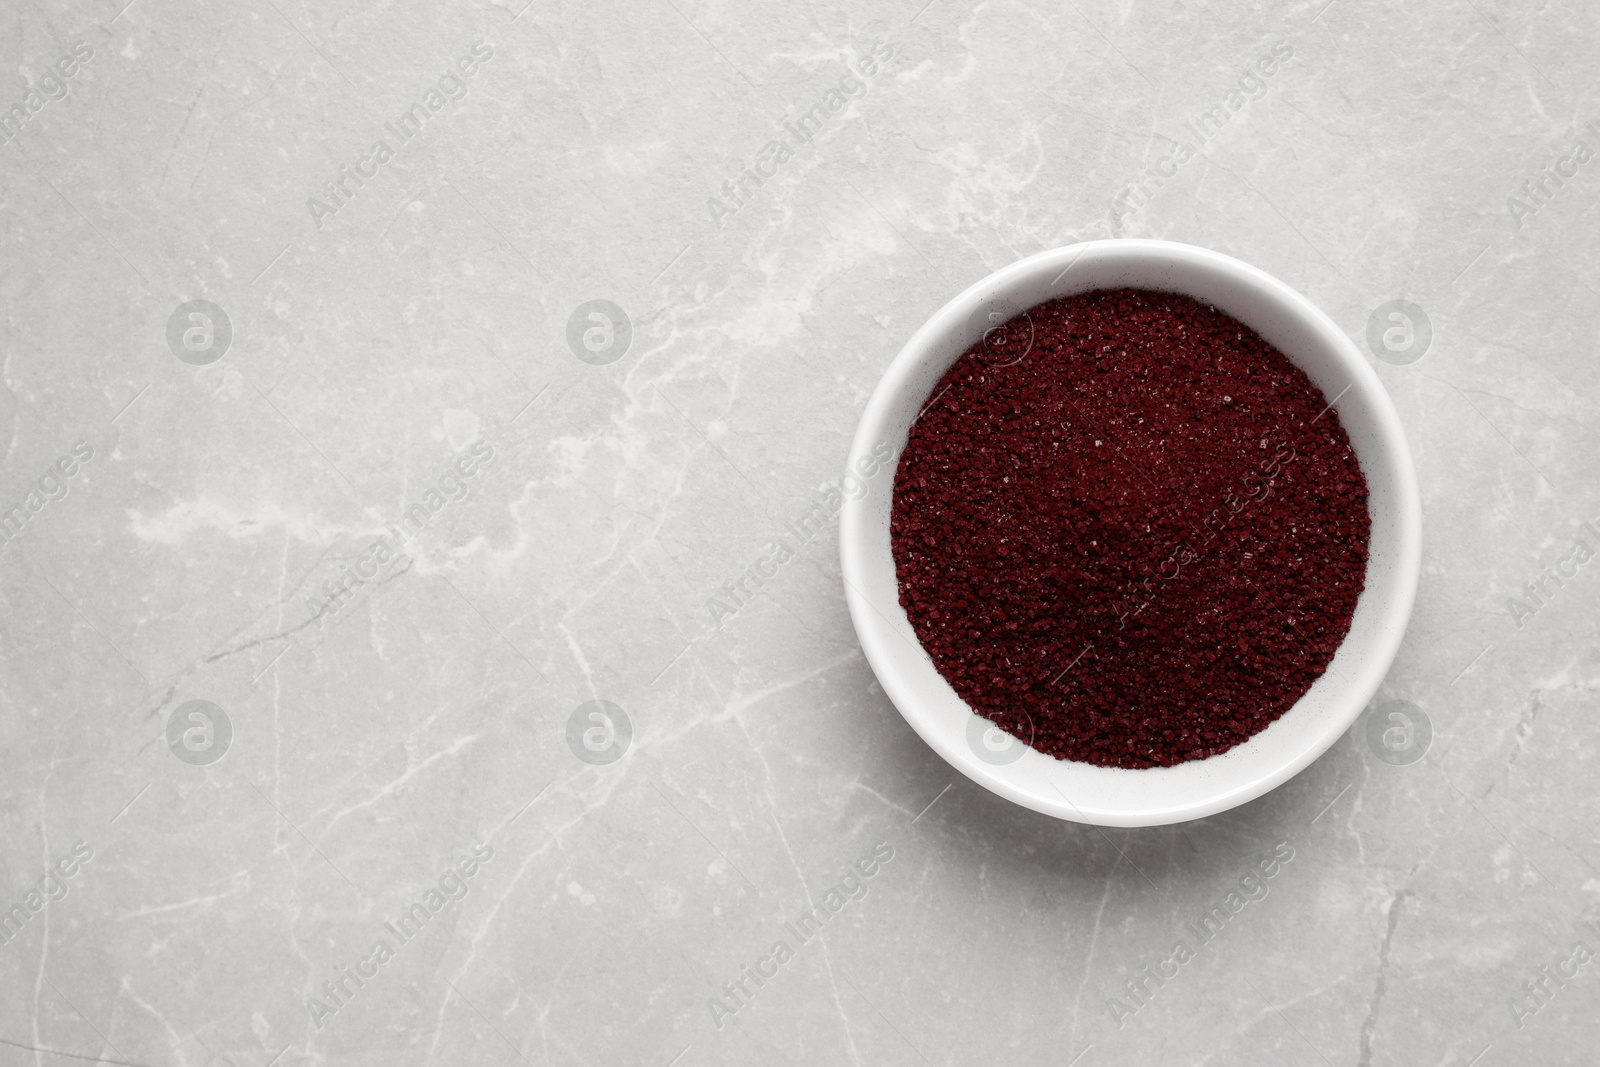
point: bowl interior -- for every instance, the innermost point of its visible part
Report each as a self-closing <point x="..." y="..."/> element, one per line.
<point x="1113" y="796"/>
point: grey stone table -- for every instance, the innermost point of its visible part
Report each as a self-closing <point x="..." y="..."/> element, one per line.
<point x="401" y="406"/>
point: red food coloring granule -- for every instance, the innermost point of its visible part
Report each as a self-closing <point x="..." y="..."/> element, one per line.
<point x="1138" y="544"/>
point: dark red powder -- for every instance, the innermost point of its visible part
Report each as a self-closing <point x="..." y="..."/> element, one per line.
<point x="1138" y="544"/>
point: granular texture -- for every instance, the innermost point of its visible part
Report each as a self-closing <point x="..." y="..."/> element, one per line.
<point x="1136" y="545"/>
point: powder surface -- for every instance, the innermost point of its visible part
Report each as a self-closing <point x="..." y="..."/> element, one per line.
<point x="1137" y="544"/>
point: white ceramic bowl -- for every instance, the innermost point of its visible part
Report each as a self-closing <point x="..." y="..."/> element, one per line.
<point x="1079" y="791"/>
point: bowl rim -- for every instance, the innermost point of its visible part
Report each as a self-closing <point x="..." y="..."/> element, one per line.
<point x="856" y="526"/>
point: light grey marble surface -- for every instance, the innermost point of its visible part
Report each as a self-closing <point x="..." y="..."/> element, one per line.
<point x="382" y="393"/>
